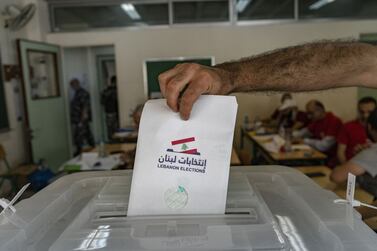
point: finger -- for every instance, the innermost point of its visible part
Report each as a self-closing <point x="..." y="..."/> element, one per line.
<point x="192" y="93"/>
<point x="164" y="78"/>
<point x="176" y="85"/>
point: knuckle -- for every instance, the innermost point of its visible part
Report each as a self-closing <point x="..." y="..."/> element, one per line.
<point x="179" y="77"/>
<point x="172" y="87"/>
<point x="179" y="65"/>
<point x="161" y="77"/>
<point x="193" y="67"/>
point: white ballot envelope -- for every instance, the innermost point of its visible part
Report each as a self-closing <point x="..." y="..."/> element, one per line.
<point x="182" y="167"/>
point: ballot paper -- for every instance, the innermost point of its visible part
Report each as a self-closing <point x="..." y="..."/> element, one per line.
<point x="182" y="167"/>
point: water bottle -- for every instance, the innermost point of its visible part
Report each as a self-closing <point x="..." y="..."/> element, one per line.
<point x="288" y="139"/>
<point x="101" y="150"/>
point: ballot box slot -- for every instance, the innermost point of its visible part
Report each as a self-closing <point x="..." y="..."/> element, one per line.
<point x="125" y="215"/>
<point x="112" y="216"/>
<point x="229" y="213"/>
<point x="237" y="213"/>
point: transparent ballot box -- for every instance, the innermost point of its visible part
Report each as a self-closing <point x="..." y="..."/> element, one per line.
<point x="268" y="208"/>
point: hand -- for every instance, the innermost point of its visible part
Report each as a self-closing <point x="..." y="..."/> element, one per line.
<point x="193" y="80"/>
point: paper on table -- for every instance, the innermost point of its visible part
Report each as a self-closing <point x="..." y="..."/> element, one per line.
<point x="182" y="167"/>
<point x="275" y="144"/>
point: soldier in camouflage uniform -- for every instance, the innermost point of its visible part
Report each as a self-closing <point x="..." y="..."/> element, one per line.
<point x="109" y="100"/>
<point x="80" y="117"/>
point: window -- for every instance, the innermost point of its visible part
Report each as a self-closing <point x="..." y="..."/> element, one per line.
<point x="43" y="74"/>
<point x="310" y="9"/>
<point x="264" y="9"/>
<point x="70" y="18"/>
<point x="73" y="15"/>
<point x="201" y="11"/>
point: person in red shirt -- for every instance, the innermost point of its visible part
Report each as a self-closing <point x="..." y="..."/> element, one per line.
<point x="322" y="131"/>
<point x="353" y="137"/>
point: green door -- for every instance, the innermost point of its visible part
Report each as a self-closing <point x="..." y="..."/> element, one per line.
<point x="103" y="77"/>
<point x="44" y="102"/>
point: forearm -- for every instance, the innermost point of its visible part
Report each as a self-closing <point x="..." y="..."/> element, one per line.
<point x="342" y="157"/>
<point x="322" y="145"/>
<point x="307" y="67"/>
<point x="339" y="174"/>
<point x="341" y="153"/>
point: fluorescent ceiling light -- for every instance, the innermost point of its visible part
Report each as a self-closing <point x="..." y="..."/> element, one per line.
<point x="241" y="5"/>
<point x="131" y="11"/>
<point x="320" y="4"/>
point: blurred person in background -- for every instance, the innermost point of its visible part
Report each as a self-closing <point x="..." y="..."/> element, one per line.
<point x="81" y="117"/>
<point x="109" y="100"/>
<point x="353" y="137"/>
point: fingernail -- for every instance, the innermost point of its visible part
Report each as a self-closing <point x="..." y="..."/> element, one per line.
<point x="184" y="117"/>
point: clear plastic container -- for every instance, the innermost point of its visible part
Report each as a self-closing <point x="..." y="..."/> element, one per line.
<point x="268" y="208"/>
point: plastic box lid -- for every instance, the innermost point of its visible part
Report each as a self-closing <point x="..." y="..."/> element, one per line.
<point x="268" y="208"/>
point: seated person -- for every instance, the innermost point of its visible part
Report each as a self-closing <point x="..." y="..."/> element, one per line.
<point x="363" y="162"/>
<point x="353" y="135"/>
<point x="288" y="114"/>
<point x="128" y="157"/>
<point x="322" y="131"/>
<point x="285" y="100"/>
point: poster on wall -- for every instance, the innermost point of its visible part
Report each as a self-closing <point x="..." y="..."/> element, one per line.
<point x="43" y="74"/>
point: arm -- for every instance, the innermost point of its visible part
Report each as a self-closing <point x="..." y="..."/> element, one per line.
<point x="341" y="153"/>
<point x="340" y="173"/>
<point x="321" y="144"/>
<point x="308" y="67"/>
<point x="301" y="133"/>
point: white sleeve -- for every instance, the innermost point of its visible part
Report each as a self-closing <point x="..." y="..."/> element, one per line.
<point x="321" y="144"/>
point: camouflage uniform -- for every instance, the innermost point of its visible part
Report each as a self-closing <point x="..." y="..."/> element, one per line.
<point x="80" y="118"/>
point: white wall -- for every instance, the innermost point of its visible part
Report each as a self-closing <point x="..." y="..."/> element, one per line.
<point x="14" y="140"/>
<point x="225" y="43"/>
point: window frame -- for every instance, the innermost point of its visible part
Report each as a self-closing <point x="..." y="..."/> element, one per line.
<point x="221" y="23"/>
<point x="233" y="16"/>
<point x="53" y="5"/>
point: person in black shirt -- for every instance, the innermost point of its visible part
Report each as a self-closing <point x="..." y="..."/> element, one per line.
<point x="109" y="100"/>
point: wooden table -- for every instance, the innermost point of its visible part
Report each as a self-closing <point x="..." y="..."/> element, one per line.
<point x="125" y="137"/>
<point x="300" y="157"/>
<point x="340" y="190"/>
<point x="117" y="148"/>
